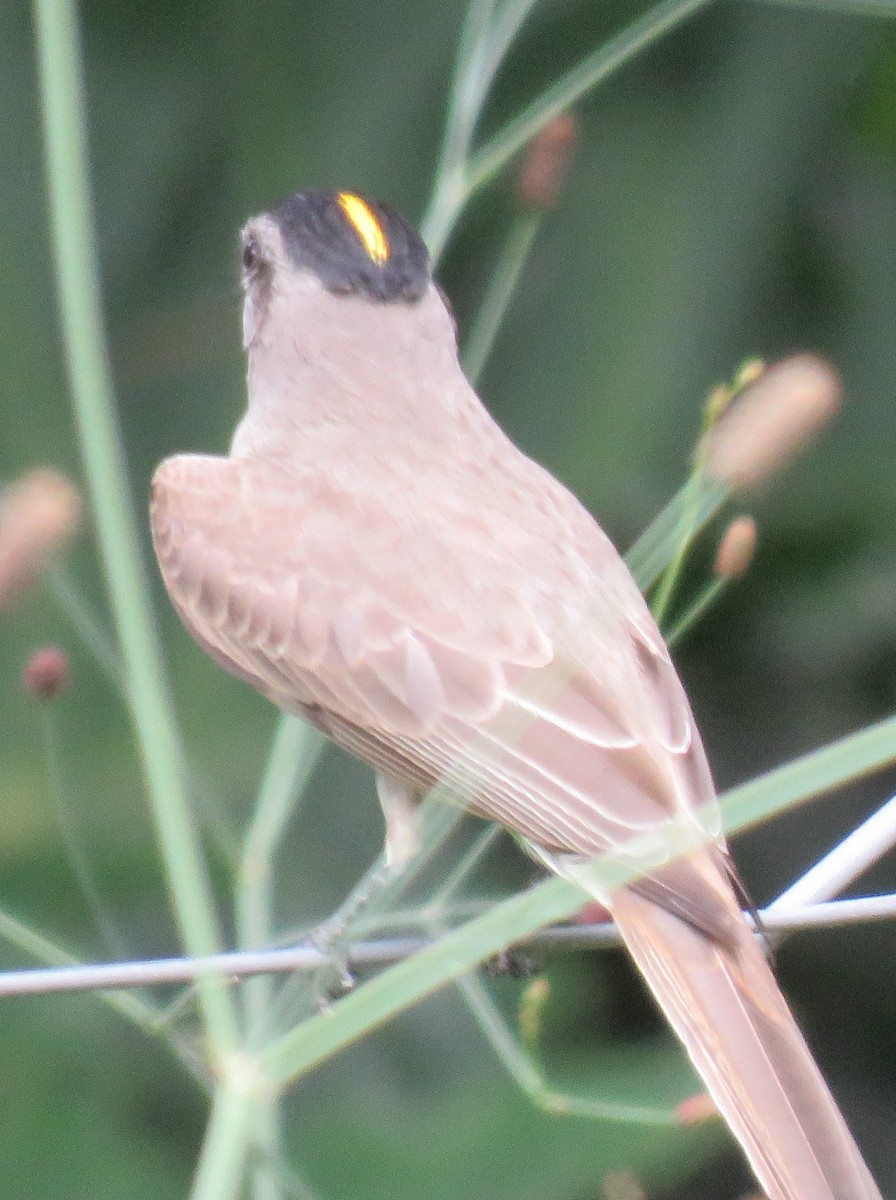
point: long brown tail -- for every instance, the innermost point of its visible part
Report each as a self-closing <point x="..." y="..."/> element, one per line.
<point x="736" y="1026"/>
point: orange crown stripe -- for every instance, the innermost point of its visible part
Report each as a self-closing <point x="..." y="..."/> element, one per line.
<point x="365" y="225"/>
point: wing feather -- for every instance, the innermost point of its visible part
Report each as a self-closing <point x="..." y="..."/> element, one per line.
<point x="576" y="739"/>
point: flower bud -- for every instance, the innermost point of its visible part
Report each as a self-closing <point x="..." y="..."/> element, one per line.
<point x="697" y="1109"/>
<point x="716" y="403"/>
<point x="46" y="673"/>
<point x="719" y="399"/>
<point x="747" y="373"/>
<point x="736" y="549"/>
<point x="38" y="513"/>
<point x="546" y="161"/>
<point x="532" y="1003"/>
<point x="772" y="420"/>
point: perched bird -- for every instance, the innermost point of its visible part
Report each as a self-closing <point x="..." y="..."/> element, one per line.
<point x="377" y="556"/>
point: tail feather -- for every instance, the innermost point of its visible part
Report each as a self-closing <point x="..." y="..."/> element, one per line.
<point x="725" y="1006"/>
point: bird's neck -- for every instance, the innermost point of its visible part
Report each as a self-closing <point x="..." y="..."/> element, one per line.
<point x="314" y="404"/>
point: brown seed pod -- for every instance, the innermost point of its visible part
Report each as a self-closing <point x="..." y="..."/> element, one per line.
<point x="737" y="547"/>
<point x="46" y="673"/>
<point x="771" y="421"/>
<point x="697" y="1109"/>
<point x="546" y="162"/>
<point x="38" y="514"/>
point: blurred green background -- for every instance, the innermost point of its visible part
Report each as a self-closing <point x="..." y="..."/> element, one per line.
<point x="734" y="193"/>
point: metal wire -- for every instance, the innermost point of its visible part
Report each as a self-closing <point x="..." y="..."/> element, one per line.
<point x="380" y="952"/>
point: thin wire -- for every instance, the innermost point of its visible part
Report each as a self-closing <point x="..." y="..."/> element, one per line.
<point x="850" y="858"/>
<point x="241" y="964"/>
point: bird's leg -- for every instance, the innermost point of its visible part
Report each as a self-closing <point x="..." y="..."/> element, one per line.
<point x="399" y="802"/>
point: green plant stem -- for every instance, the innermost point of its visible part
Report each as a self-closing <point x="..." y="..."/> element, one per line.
<point x="225" y="1149"/>
<point x="464" y="866"/>
<point x="85" y="623"/>
<point x="70" y="835"/>
<point x="265" y="1176"/>
<point x="857" y="8"/>
<point x="397" y="988"/>
<point x="464" y="106"/>
<point x="833" y="765"/>
<point x="686" y="533"/>
<point x="295" y="752"/>
<point x="518" y="1062"/>
<point x="409" y="981"/>
<point x="593" y="70"/>
<point x="522" y="1068"/>
<point x="499" y="292"/>
<point x="129" y="1005"/>
<point x="417" y="916"/>
<point x="64" y="108"/>
<point x="656" y="547"/>
<point x="458" y="180"/>
<point x="695" y="610"/>
<point x="508" y="22"/>
<point x="485" y="39"/>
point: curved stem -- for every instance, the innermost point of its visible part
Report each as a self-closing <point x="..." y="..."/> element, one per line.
<point x="294" y="754"/>
<point x="464" y="106"/>
<point x="499" y="292"/>
<point x="64" y="106"/>
<point x="460" y="175"/>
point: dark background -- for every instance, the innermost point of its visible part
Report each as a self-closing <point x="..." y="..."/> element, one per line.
<point x="734" y="194"/>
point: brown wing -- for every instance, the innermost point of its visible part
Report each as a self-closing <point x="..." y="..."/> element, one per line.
<point x="430" y="658"/>
<point x="429" y="655"/>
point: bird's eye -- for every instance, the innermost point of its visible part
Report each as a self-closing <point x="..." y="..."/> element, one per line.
<point x="252" y="258"/>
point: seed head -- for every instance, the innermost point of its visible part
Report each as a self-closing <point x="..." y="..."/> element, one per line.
<point x="532" y="1003"/>
<point x="697" y="1109"/>
<point x="772" y="420"/>
<point x="546" y="162"/>
<point x="46" y="673"/>
<point x="38" y="514"/>
<point x="736" y="549"/>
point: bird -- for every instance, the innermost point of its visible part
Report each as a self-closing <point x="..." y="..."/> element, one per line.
<point x="376" y="555"/>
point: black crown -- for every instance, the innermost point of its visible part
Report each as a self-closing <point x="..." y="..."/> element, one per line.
<point x="322" y="233"/>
